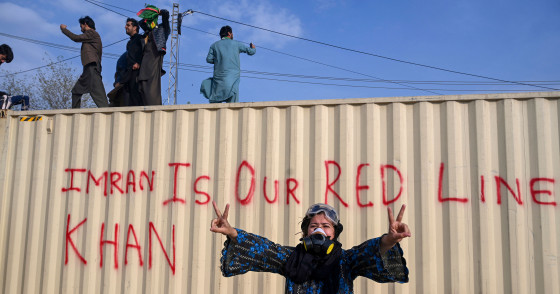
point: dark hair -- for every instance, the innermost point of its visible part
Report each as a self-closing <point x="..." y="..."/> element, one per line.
<point x="134" y="23"/>
<point x="86" y="20"/>
<point x="6" y="50"/>
<point x="224" y="31"/>
<point x="307" y="219"/>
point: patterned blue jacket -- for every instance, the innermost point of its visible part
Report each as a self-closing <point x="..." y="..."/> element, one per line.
<point x="254" y="253"/>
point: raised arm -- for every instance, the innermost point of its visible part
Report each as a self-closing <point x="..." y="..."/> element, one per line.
<point x="250" y="50"/>
<point x="244" y="252"/>
<point x="397" y="231"/>
<point x="165" y="22"/>
<point x="381" y="259"/>
<point x="220" y="224"/>
<point x="83" y="38"/>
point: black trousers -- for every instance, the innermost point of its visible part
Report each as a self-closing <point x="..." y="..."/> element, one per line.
<point x="90" y="82"/>
<point x="133" y="98"/>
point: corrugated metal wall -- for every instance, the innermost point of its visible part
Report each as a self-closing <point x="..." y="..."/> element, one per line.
<point x="479" y="175"/>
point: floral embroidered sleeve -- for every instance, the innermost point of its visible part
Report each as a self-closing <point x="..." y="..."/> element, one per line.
<point x="366" y="260"/>
<point x="251" y="252"/>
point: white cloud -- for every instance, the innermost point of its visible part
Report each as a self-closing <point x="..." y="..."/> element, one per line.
<point x="25" y="22"/>
<point x="73" y="6"/>
<point x="110" y="26"/>
<point x="279" y="20"/>
<point x="262" y="14"/>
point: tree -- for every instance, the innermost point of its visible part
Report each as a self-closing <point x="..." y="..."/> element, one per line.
<point x="53" y="87"/>
<point x="14" y="84"/>
<point x="49" y="88"/>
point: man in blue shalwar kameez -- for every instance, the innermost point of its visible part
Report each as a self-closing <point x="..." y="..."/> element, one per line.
<point x="224" y="54"/>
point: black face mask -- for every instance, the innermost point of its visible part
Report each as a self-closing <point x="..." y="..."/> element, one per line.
<point x="318" y="244"/>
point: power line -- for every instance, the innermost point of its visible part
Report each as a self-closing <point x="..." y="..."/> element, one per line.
<point x="76" y="49"/>
<point x="339" y="47"/>
<point x="378" y="79"/>
<point x="332" y="66"/>
<point x="53" y="45"/>
<point x="404" y="85"/>
<point x="105" y="7"/>
<point x="56" y="46"/>
<point x="352" y="86"/>
<point x="372" y="54"/>
<point x="444" y="83"/>
<point x="189" y="67"/>
<point x="342" y="48"/>
<point x="36" y="68"/>
<point x="412" y="87"/>
<point x="107" y="4"/>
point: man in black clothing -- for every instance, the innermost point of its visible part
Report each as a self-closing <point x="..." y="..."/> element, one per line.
<point x="134" y="59"/>
<point x="149" y="77"/>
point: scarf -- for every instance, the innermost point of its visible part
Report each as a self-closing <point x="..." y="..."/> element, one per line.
<point x="150" y="15"/>
<point x="302" y="266"/>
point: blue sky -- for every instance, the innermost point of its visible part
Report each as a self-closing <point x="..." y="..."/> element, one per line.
<point x="507" y="40"/>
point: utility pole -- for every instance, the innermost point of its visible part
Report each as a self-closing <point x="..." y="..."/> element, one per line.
<point x="176" y="23"/>
<point x="174" y="54"/>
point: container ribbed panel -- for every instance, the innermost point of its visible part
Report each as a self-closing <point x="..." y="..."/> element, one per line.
<point x="82" y="192"/>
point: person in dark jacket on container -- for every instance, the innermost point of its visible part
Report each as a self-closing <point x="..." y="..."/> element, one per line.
<point x="118" y="97"/>
<point x="126" y="91"/>
<point x="90" y="81"/>
<point x="134" y="52"/>
<point x="318" y="264"/>
<point x="155" y="39"/>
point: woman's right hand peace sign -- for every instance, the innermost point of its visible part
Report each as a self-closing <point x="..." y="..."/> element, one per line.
<point x="221" y="224"/>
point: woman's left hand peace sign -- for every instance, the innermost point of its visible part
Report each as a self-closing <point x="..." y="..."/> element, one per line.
<point x="397" y="230"/>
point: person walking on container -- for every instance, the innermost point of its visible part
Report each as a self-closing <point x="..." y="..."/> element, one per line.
<point x="6" y="54"/>
<point x="224" y="54"/>
<point x="90" y="81"/>
<point x="155" y="39"/>
<point x="318" y="264"/>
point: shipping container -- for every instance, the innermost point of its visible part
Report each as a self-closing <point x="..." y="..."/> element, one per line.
<point x="118" y="200"/>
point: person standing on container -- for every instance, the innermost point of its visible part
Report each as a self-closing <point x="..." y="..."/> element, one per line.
<point x="224" y="54"/>
<point x="155" y="39"/>
<point x="318" y="264"/>
<point x="90" y="81"/>
<point x="133" y="60"/>
<point x="119" y="95"/>
<point x="126" y="92"/>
